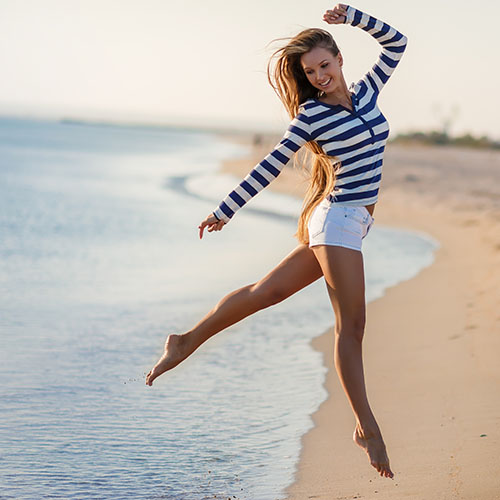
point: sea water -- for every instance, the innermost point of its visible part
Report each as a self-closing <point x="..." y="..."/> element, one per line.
<point x="99" y="260"/>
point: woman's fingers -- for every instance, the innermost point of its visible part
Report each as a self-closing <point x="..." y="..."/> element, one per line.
<point x="338" y="10"/>
<point x="334" y="20"/>
<point x="212" y="224"/>
<point x="207" y="222"/>
<point x="216" y="226"/>
<point x="336" y="15"/>
<point x="201" y="227"/>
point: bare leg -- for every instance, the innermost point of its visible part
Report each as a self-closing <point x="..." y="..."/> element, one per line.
<point x="298" y="270"/>
<point x="344" y="276"/>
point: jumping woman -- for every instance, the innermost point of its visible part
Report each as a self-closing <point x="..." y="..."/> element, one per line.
<point x="346" y="133"/>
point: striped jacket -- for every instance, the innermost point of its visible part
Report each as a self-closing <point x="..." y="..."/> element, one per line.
<point x="357" y="138"/>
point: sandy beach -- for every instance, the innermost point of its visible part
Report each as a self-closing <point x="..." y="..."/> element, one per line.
<point x="431" y="344"/>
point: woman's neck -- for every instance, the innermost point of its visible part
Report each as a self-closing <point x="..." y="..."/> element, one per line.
<point x="340" y="96"/>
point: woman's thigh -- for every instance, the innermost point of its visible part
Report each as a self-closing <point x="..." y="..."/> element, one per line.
<point x="343" y="270"/>
<point x="297" y="270"/>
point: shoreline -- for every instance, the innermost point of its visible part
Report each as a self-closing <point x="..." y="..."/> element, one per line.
<point x="433" y="379"/>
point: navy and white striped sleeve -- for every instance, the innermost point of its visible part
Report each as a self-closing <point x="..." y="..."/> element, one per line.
<point x="297" y="134"/>
<point x="393" y="45"/>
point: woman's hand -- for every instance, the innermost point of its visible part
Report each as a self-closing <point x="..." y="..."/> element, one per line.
<point x="337" y="15"/>
<point x="212" y="223"/>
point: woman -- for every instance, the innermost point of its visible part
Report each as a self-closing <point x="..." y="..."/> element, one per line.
<point x="346" y="132"/>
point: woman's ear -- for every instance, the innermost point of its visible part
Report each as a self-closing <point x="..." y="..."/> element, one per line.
<point x="340" y="60"/>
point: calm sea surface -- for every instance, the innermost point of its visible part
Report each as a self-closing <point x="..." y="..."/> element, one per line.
<point x="99" y="260"/>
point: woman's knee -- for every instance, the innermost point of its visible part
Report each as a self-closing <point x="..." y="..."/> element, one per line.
<point x="352" y="326"/>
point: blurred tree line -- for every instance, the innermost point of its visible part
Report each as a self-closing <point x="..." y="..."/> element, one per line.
<point x="446" y="118"/>
<point x="442" y="138"/>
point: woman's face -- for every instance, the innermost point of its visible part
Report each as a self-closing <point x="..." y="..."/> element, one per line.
<point x="322" y="69"/>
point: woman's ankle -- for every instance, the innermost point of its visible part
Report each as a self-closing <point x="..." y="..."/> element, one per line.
<point x="368" y="428"/>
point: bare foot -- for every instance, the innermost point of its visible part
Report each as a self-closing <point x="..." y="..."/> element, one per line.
<point x="176" y="350"/>
<point x="374" y="446"/>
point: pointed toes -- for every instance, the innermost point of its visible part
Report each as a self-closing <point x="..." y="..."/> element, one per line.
<point x="385" y="471"/>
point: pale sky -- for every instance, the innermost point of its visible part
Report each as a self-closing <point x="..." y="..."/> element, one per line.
<point x="204" y="61"/>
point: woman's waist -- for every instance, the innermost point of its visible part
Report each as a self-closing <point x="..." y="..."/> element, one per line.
<point x="367" y="203"/>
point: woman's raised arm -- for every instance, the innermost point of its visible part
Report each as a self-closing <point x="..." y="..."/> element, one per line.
<point x="392" y="41"/>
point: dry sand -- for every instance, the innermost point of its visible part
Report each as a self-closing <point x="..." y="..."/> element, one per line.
<point x="432" y="344"/>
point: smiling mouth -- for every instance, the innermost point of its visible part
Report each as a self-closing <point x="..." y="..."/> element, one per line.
<point x="325" y="84"/>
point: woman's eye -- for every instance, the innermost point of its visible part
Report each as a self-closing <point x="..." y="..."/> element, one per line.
<point x="324" y="65"/>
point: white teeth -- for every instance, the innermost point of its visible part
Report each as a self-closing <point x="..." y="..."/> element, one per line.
<point x="326" y="83"/>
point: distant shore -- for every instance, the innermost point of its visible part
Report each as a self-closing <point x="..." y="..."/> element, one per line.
<point x="431" y="344"/>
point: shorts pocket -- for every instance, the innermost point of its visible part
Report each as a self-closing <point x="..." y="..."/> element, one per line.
<point x="368" y="226"/>
<point x="371" y="219"/>
<point x="316" y="224"/>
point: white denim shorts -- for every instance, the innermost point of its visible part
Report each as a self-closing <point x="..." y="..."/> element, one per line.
<point x="339" y="225"/>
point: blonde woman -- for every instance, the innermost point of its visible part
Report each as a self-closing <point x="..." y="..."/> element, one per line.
<point x="346" y="134"/>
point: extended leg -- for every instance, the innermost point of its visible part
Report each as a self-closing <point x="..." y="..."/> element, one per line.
<point x="344" y="276"/>
<point x="299" y="269"/>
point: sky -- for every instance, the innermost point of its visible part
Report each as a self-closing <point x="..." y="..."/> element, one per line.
<point x="203" y="62"/>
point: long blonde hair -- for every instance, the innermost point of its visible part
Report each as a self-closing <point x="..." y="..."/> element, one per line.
<point x="293" y="88"/>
